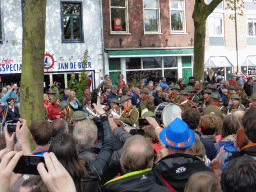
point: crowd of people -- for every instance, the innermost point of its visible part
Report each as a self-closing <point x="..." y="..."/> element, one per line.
<point x="119" y="143"/>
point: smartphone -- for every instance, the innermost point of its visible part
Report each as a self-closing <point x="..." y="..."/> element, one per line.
<point x="143" y="122"/>
<point x="28" y="164"/>
<point x="94" y="98"/>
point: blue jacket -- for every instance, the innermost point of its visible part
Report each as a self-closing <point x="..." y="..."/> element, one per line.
<point x="163" y="84"/>
<point x="110" y="96"/>
<point x="64" y="98"/>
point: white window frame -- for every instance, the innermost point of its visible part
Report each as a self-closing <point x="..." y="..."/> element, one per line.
<point x="126" y="18"/>
<point x="158" y="18"/>
<point x="184" y="31"/>
<point x="253" y="17"/>
<point x="213" y="16"/>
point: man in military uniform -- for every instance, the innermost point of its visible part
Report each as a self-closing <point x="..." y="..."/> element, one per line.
<point x="230" y="92"/>
<point x="215" y="100"/>
<point x="114" y="106"/>
<point x="175" y="97"/>
<point x="205" y="100"/>
<point x="184" y="102"/>
<point x="130" y="114"/>
<point x="68" y="112"/>
<point x="241" y="93"/>
<point x="209" y="88"/>
<point x="147" y="102"/>
<point x="235" y="103"/>
<point x="191" y="96"/>
<point x="253" y="98"/>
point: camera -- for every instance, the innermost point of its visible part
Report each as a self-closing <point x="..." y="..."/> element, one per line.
<point x="143" y="122"/>
<point x="94" y="98"/>
<point x="11" y="127"/>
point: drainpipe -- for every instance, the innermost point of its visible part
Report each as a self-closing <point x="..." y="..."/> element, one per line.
<point x="102" y="37"/>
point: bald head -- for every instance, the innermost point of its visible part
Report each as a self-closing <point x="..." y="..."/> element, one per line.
<point x="137" y="154"/>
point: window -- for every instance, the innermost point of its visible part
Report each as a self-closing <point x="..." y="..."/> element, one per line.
<point x="151" y="16"/>
<point x="22" y="10"/>
<point x="251" y="27"/>
<point x="1" y="29"/>
<point x="216" y="26"/>
<point x="177" y="11"/>
<point x="119" y="16"/>
<point x="71" y="22"/>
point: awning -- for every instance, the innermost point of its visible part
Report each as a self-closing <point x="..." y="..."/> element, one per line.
<point x="250" y="61"/>
<point x="150" y="53"/>
<point x="213" y="62"/>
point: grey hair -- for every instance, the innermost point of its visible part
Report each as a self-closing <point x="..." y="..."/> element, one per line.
<point x="180" y="79"/>
<point x="114" y="86"/>
<point x="158" y="88"/>
<point x="85" y="133"/>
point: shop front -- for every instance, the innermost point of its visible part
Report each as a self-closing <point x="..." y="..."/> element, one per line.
<point x="249" y="66"/>
<point x="150" y="64"/>
<point x="221" y="64"/>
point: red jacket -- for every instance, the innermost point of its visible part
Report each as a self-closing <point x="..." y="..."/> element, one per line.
<point x="47" y="104"/>
<point x="53" y="111"/>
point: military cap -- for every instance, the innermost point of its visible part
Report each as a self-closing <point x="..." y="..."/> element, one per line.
<point x="234" y="96"/>
<point x="207" y="91"/>
<point x="213" y="110"/>
<point x="183" y="92"/>
<point x="176" y="87"/>
<point x="79" y="115"/>
<point x="224" y="90"/>
<point x="253" y="97"/>
<point x="114" y="100"/>
<point x="237" y="87"/>
<point x="63" y="104"/>
<point x="231" y="87"/>
<point x="209" y="86"/>
<point x="189" y="89"/>
<point x="144" y="91"/>
<point x="215" y="95"/>
<point x="148" y="114"/>
<point x="124" y="98"/>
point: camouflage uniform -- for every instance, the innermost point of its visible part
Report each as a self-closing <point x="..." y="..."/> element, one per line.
<point x="187" y="103"/>
<point x="238" y="106"/>
<point x="192" y="96"/>
<point x="226" y="100"/>
<point x="243" y="96"/>
<point x="206" y="101"/>
<point x="174" y="98"/>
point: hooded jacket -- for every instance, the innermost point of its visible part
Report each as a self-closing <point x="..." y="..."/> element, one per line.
<point x="137" y="181"/>
<point x="175" y="170"/>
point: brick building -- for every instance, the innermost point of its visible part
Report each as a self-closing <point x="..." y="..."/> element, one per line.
<point x="148" y="38"/>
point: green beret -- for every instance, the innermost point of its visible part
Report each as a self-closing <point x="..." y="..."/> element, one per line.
<point x="231" y="87"/>
<point x="209" y="86"/>
<point x="234" y="96"/>
<point x="144" y="91"/>
<point x="214" y="110"/>
<point x="207" y="91"/>
<point x="183" y="92"/>
<point x="215" y="95"/>
<point x="125" y="98"/>
<point x="63" y="104"/>
<point x="189" y="89"/>
<point x="115" y="100"/>
<point x="176" y="87"/>
<point x="79" y="115"/>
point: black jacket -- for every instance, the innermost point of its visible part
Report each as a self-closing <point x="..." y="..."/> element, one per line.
<point x="210" y="149"/>
<point x="138" y="181"/>
<point x="13" y="115"/>
<point x="248" y="89"/>
<point x="176" y="169"/>
<point x="136" y="100"/>
<point x="96" y="164"/>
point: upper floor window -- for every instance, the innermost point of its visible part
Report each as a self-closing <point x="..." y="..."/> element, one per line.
<point x="251" y="22"/>
<point x="216" y="26"/>
<point x="119" y="22"/>
<point x="151" y="16"/>
<point x="177" y="11"/>
<point x="71" y="22"/>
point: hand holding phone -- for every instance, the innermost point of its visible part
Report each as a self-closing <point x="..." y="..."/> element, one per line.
<point x="9" y="160"/>
<point x="55" y="177"/>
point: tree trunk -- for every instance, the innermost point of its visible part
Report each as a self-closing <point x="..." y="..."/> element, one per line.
<point x="33" y="48"/>
<point x="199" y="49"/>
